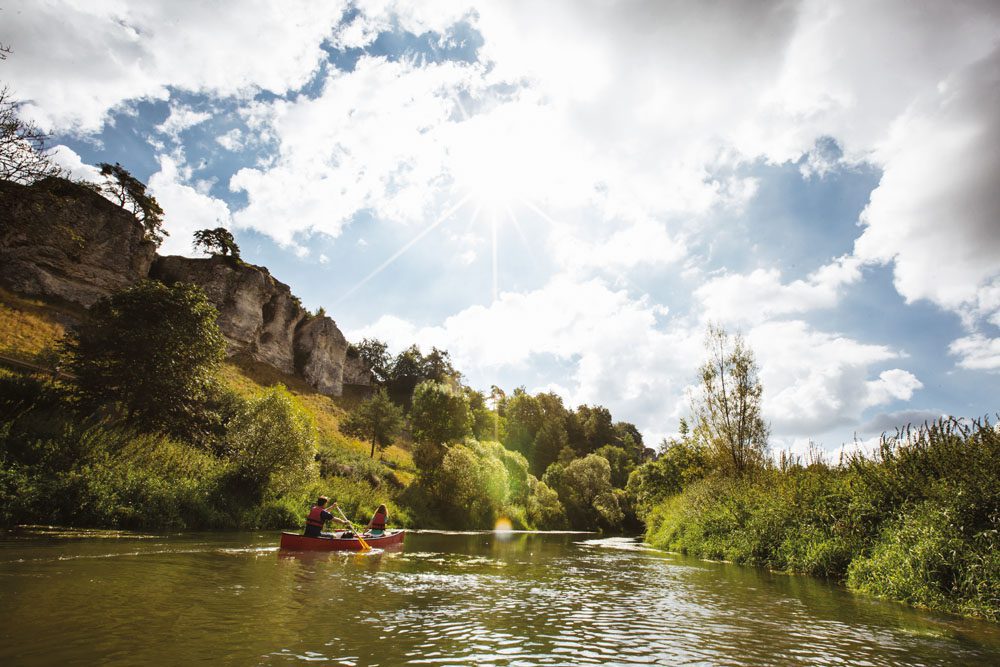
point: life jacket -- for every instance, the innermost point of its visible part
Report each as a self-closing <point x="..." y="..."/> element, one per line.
<point x="315" y="517"/>
<point x="378" y="521"/>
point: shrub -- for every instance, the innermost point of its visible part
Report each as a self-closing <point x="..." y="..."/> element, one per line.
<point x="271" y="443"/>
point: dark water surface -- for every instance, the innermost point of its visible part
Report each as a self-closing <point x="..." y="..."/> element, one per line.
<point x="445" y="599"/>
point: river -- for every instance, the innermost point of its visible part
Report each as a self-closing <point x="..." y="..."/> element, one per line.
<point x="109" y="598"/>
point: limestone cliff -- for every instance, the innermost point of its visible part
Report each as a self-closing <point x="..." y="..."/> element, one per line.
<point x="260" y="317"/>
<point x="62" y="241"/>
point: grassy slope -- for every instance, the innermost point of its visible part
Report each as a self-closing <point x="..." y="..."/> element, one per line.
<point x="248" y="377"/>
<point x="30" y="330"/>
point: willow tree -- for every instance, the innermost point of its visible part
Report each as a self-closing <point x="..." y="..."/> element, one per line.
<point x="728" y="411"/>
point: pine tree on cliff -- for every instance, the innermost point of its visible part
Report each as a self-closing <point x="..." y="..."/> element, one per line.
<point x="129" y="192"/>
<point x="218" y="241"/>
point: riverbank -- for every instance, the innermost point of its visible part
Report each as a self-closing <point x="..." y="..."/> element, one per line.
<point x="918" y="522"/>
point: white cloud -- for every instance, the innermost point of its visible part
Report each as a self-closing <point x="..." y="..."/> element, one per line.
<point x="187" y="208"/>
<point x="936" y="211"/>
<point x="232" y="140"/>
<point x="365" y="143"/>
<point x="181" y="118"/>
<point x="891" y="385"/>
<point x="76" y="60"/>
<point x="68" y="159"/>
<point x="760" y="295"/>
<point x="977" y="352"/>
<point x="815" y="381"/>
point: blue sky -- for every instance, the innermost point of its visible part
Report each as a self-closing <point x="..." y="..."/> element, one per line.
<point x="564" y="196"/>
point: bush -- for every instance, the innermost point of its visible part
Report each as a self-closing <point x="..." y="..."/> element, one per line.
<point x="271" y="443"/>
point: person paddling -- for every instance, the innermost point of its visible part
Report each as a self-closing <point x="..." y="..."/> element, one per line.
<point x="376" y="526"/>
<point x="318" y="516"/>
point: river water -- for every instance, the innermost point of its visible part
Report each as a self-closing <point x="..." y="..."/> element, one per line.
<point x="96" y="597"/>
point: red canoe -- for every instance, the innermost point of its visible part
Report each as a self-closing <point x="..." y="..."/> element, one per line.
<point x="299" y="542"/>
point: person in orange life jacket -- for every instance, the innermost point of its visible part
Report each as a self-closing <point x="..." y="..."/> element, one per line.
<point x="377" y="525"/>
<point x="317" y="517"/>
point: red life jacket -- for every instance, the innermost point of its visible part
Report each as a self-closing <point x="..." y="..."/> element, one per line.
<point x="378" y="521"/>
<point x="315" y="517"/>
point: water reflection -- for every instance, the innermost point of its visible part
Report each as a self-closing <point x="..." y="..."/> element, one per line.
<point x="445" y="598"/>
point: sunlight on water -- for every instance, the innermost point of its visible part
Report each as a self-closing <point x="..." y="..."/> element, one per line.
<point x="486" y="598"/>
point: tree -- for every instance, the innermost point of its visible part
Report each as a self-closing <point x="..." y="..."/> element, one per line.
<point x="218" y="241"/>
<point x="621" y="464"/>
<point x="440" y="416"/>
<point x="584" y="488"/>
<point x="377" y="420"/>
<point x="376" y="356"/>
<point x="271" y="442"/>
<point x="23" y="155"/>
<point x="728" y="413"/>
<point x="127" y="191"/>
<point x="151" y="348"/>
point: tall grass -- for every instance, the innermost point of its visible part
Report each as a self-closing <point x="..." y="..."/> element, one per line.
<point x="918" y="521"/>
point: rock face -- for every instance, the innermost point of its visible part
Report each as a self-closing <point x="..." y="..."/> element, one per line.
<point x="260" y="317"/>
<point x="61" y="240"/>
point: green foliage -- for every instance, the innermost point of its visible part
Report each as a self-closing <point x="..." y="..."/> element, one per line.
<point x="584" y="488"/>
<point x="485" y="422"/>
<point x="440" y="414"/>
<point x="917" y="522"/>
<point x="218" y="241"/>
<point x="129" y="192"/>
<point x="680" y="463"/>
<point x="476" y="483"/>
<point x="151" y="348"/>
<point x="728" y="414"/>
<point x="621" y="464"/>
<point x="377" y="420"/>
<point x="543" y="508"/>
<point x="271" y="442"/>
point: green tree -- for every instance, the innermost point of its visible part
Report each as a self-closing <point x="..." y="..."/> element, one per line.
<point x="440" y="416"/>
<point x="728" y="412"/>
<point x="129" y="192"/>
<point x="376" y="356"/>
<point x="584" y="488"/>
<point x="271" y="443"/>
<point x="596" y="428"/>
<point x="218" y="241"/>
<point x="622" y="464"/>
<point x="524" y="418"/>
<point x="151" y="348"/>
<point x="377" y="420"/>
<point x="484" y="421"/>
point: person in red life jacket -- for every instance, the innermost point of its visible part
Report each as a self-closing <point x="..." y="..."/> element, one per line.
<point x="377" y="525"/>
<point x="317" y="517"/>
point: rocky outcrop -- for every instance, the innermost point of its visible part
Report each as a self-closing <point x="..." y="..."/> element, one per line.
<point x="320" y="353"/>
<point x="61" y="240"/>
<point x="261" y="318"/>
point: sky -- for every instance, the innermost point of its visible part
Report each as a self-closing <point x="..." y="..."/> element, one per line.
<point x="565" y="194"/>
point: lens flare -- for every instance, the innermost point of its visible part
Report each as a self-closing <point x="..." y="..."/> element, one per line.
<point x="503" y="525"/>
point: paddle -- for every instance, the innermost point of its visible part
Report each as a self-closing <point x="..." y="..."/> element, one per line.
<point x="364" y="545"/>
